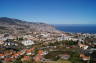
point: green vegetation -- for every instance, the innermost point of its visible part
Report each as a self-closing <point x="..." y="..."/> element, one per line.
<point x="64" y="42"/>
<point x="75" y="58"/>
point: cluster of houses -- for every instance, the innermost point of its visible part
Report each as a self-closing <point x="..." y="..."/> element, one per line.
<point x="26" y="54"/>
<point x="87" y="53"/>
<point x="31" y="39"/>
<point x="67" y="37"/>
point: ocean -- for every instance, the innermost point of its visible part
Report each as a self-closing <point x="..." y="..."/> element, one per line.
<point x="77" y="28"/>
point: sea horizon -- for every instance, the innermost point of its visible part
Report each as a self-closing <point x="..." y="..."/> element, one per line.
<point x="77" y="28"/>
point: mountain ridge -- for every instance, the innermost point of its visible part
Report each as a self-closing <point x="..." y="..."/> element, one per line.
<point x="11" y="25"/>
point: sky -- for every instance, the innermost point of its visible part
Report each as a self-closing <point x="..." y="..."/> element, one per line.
<point x="50" y="11"/>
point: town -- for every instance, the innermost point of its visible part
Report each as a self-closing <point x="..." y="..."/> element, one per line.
<point x="48" y="47"/>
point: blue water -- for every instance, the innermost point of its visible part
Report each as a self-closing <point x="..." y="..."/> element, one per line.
<point x="77" y="28"/>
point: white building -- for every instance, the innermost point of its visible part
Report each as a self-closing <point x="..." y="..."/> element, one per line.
<point x="27" y="42"/>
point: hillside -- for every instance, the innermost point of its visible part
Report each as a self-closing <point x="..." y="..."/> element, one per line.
<point x="11" y="25"/>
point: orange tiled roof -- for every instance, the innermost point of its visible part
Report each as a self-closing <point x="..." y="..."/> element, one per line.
<point x="86" y="58"/>
<point x="8" y="59"/>
<point x="15" y="54"/>
<point x="40" y="52"/>
<point x="19" y="53"/>
<point x="26" y="58"/>
<point x="1" y="54"/>
<point x="82" y="55"/>
<point x="29" y="50"/>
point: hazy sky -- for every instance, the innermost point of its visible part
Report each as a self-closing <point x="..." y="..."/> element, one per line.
<point x="50" y="11"/>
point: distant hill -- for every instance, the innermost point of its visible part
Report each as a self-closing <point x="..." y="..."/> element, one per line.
<point x="11" y="25"/>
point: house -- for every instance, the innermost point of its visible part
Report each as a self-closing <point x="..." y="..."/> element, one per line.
<point x="29" y="51"/>
<point x="2" y="56"/>
<point x="18" y="54"/>
<point x="40" y="52"/>
<point x="82" y="55"/>
<point x="15" y="55"/>
<point x="27" y="36"/>
<point x="83" y="46"/>
<point x="7" y="59"/>
<point x="45" y="52"/>
<point x="86" y="58"/>
<point x="9" y="43"/>
<point x="86" y="47"/>
<point x="38" y="58"/>
<point x="45" y="35"/>
<point x="25" y="58"/>
<point x="27" y="42"/>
